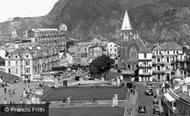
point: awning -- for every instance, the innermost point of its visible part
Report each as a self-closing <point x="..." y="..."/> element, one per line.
<point x="169" y="97"/>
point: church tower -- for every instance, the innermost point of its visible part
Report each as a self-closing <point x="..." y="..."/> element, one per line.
<point x="126" y="27"/>
<point x="130" y="45"/>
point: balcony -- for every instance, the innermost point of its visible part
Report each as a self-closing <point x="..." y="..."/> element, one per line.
<point x="161" y="62"/>
<point x="158" y="71"/>
<point x="145" y="66"/>
<point x="145" y="74"/>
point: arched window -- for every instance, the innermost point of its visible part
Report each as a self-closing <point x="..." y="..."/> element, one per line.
<point x="133" y="53"/>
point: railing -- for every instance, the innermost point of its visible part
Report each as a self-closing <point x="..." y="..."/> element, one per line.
<point x="160" y="62"/>
<point x="142" y="65"/>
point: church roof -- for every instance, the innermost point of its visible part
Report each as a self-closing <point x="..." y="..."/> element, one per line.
<point x="143" y="47"/>
<point x="126" y="22"/>
<point x="168" y="46"/>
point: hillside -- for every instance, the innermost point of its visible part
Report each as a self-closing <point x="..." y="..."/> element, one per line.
<point x="156" y="20"/>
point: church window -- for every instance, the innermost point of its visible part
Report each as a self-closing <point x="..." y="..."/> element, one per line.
<point x="125" y="36"/>
<point x="129" y="67"/>
<point x="133" y="53"/>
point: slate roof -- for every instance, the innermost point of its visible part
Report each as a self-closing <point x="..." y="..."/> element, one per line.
<point x="126" y="22"/>
<point x="2" y="61"/>
<point x="143" y="47"/>
<point x="168" y="46"/>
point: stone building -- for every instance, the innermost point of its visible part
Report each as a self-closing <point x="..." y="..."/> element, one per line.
<point x="48" y="37"/>
<point x="30" y="63"/>
<point x="163" y="56"/>
<point x="86" y="51"/>
<point x="130" y="46"/>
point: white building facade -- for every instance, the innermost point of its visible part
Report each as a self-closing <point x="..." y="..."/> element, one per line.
<point x="163" y="56"/>
<point x="145" y="66"/>
<point x="112" y="50"/>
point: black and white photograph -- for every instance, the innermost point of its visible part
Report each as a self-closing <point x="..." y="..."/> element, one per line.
<point x="94" y="57"/>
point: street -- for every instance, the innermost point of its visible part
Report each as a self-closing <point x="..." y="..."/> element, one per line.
<point x="144" y="100"/>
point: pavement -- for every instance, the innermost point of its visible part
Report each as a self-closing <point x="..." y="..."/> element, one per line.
<point x="131" y="105"/>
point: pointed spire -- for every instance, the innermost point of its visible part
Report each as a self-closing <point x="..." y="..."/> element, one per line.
<point x="126" y="22"/>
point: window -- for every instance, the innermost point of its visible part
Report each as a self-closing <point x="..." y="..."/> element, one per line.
<point x="144" y="55"/>
<point x="115" y="50"/>
<point x="9" y="56"/>
<point x="158" y="60"/>
<point x="27" y="63"/>
<point x="16" y="63"/>
<point x="27" y="70"/>
<point x="16" y="71"/>
<point x="9" y="70"/>
<point x="158" y="68"/>
<point x="26" y="56"/>
<point x="129" y="67"/>
<point x="16" y="56"/>
<point x="9" y="63"/>
<point x="168" y="59"/>
<point x="168" y="52"/>
<point x="133" y="53"/>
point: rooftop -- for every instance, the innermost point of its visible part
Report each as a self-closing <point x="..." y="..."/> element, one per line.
<point x="85" y="93"/>
<point x="9" y="78"/>
<point x="168" y="46"/>
<point x="45" y="29"/>
<point x="126" y="22"/>
<point x="183" y="95"/>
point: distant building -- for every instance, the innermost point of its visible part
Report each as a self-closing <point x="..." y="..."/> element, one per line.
<point x="30" y="63"/>
<point x="112" y="50"/>
<point x="130" y="46"/>
<point x="66" y="60"/>
<point x="182" y="64"/>
<point x="163" y="56"/>
<point x="49" y="37"/>
<point x="86" y="51"/>
<point x="97" y="48"/>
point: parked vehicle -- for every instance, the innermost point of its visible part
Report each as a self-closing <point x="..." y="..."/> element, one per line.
<point x="141" y="109"/>
<point x="155" y="100"/>
<point x="149" y="92"/>
<point x="149" y="85"/>
<point x="156" y="110"/>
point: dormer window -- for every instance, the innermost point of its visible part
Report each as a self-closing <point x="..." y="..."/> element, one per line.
<point x="26" y="56"/>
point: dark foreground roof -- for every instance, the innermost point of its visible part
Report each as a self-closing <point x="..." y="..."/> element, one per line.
<point x="9" y="78"/>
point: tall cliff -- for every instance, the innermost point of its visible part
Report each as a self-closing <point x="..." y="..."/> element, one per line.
<point x="156" y="20"/>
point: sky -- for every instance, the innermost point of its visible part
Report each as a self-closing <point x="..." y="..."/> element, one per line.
<point x="24" y="8"/>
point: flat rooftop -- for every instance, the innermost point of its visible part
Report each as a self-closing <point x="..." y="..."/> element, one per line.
<point x="84" y="93"/>
<point x="87" y="111"/>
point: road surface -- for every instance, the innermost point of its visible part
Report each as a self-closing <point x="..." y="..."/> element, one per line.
<point x="145" y="100"/>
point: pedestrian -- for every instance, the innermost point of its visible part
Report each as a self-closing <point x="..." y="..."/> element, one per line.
<point x="69" y="100"/>
<point x="13" y="92"/>
<point x="5" y="90"/>
<point x="5" y="101"/>
<point x="21" y="101"/>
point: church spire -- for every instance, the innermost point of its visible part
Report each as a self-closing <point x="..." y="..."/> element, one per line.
<point x="126" y="26"/>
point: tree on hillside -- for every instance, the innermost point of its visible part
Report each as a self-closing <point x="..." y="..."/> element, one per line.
<point x="100" y="65"/>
